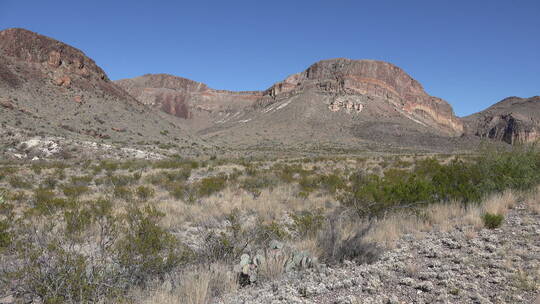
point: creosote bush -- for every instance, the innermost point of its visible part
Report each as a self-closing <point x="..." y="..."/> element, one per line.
<point x="122" y="250"/>
<point x="432" y="182"/>
<point x="492" y="221"/>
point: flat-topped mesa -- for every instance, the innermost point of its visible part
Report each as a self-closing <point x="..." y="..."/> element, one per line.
<point x="47" y="58"/>
<point x="372" y="78"/>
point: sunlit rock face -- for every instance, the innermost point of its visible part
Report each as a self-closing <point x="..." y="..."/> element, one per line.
<point x="375" y="79"/>
<point x="513" y="120"/>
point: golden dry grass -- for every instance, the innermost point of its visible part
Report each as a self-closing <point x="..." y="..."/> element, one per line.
<point x="443" y="217"/>
<point x="273" y="265"/>
<point x="500" y="203"/>
<point x="532" y="201"/>
<point x="268" y="206"/>
<point x="197" y="286"/>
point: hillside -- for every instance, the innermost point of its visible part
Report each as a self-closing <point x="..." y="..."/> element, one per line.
<point x="337" y="103"/>
<point x="50" y="89"/>
<point x="513" y="120"/>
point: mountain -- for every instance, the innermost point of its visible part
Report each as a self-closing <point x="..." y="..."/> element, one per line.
<point x="199" y="105"/>
<point x="343" y="102"/>
<point x="50" y="88"/>
<point x="513" y="120"/>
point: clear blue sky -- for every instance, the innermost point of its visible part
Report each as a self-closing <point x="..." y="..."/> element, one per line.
<point x="471" y="53"/>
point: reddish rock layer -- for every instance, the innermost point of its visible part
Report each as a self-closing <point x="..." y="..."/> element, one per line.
<point x="41" y="58"/>
<point x="184" y="98"/>
<point x="372" y="78"/>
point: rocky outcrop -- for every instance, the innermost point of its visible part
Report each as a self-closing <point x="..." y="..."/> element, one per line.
<point x="38" y="57"/>
<point x="513" y="120"/>
<point x="351" y="82"/>
<point x="186" y="98"/>
<point x="374" y="79"/>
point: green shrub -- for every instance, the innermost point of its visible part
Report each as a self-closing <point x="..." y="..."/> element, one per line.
<point x="19" y="182"/>
<point x="146" y="249"/>
<point x="46" y="202"/>
<point x="74" y="191"/>
<point x="49" y="182"/>
<point x="37" y="168"/>
<point x="254" y="184"/>
<point x="81" y="180"/>
<point x="18" y="196"/>
<point x="306" y="222"/>
<point x="59" y="174"/>
<point x="6" y="171"/>
<point x="108" y="165"/>
<point x="332" y="183"/>
<point x="431" y="182"/>
<point x="5" y="235"/>
<point x="123" y="192"/>
<point x="210" y="185"/>
<point x="175" y="163"/>
<point x="272" y="231"/>
<point x="121" y="180"/>
<point x="492" y="221"/>
<point x="6" y="215"/>
<point x="145" y="192"/>
<point x="77" y="221"/>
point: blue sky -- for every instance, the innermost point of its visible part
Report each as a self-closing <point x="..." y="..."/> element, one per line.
<point x="471" y="53"/>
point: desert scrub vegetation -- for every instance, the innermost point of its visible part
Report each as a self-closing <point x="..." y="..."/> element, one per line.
<point x="104" y="230"/>
<point x="431" y="182"/>
<point x="82" y="252"/>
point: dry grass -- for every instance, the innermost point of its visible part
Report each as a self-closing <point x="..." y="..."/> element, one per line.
<point x="533" y="201"/>
<point x="388" y="230"/>
<point x="269" y="206"/>
<point x="197" y="286"/>
<point x="444" y="217"/>
<point x="310" y="245"/>
<point x="412" y="269"/>
<point x="273" y="265"/>
<point x="500" y="203"/>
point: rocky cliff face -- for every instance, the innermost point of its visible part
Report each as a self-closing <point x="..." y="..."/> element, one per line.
<point x="353" y="84"/>
<point x="513" y="120"/>
<point x="373" y="79"/>
<point x="186" y="98"/>
<point x="40" y="58"/>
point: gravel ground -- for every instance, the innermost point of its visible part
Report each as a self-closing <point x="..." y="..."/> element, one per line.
<point x="491" y="266"/>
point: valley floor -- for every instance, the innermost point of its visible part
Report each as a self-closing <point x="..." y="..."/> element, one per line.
<point x="455" y="266"/>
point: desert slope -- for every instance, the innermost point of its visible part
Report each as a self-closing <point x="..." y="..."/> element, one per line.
<point x="49" y="88"/>
<point x="353" y="104"/>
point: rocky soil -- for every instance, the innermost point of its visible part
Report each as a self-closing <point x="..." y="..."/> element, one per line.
<point x="490" y="266"/>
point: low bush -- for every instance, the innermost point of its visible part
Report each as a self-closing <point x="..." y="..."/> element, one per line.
<point x="254" y="184"/>
<point x="74" y="191"/>
<point x="307" y="223"/>
<point x="123" y="192"/>
<point x="18" y="182"/>
<point x="146" y="249"/>
<point x="145" y="192"/>
<point x="210" y="185"/>
<point x="431" y="182"/>
<point x="492" y="221"/>
<point x="46" y="202"/>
